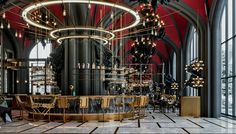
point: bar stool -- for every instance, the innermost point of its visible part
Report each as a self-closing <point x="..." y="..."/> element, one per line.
<point x="83" y="104"/>
<point x="119" y="104"/>
<point x="143" y="103"/>
<point x="62" y="103"/>
<point x="134" y="105"/>
<point x="105" y="102"/>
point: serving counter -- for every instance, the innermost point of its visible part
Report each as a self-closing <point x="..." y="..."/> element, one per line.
<point x="83" y="107"/>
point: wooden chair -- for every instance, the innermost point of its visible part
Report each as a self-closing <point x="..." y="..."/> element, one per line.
<point x="62" y="103"/>
<point x="42" y="108"/>
<point x="34" y="106"/>
<point x="83" y="104"/>
<point x="24" y="106"/>
<point x="48" y="106"/>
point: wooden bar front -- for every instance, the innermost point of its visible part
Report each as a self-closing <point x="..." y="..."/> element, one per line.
<point x="190" y="106"/>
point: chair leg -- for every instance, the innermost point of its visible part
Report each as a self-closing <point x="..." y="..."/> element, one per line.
<point x="64" y="115"/>
<point x="49" y="116"/>
<point x="21" y="114"/>
<point x="33" y="116"/>
<point x="83" y="115"/>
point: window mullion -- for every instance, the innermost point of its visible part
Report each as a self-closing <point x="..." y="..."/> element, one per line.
<point x="226" y="61"/>
<point x="234" y="58"/>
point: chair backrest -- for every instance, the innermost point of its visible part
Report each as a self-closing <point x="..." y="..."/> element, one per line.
<point x="142" y="101"/>
<point x="105" y="102"/>
<point x="62" y="102"/>
<point x="54" y="99"/>
<point x="18" y="100"/>
<point x="137" y="101"/>
<point x="84" y="101"/>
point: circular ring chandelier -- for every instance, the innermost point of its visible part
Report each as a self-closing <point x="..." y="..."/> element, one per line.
<point x="110" y="34"/>
<point x="29" y="9"/>
<point x="59" y="40"/>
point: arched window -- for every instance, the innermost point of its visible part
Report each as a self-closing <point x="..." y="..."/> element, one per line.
<point x="174" y="66"/>
<point x="228" y="59"/>
<point x="192" y="55"/>
<point x="38" y="70"/>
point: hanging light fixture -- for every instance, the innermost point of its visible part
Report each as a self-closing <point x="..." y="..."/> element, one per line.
<point x="16" y="34"/>
<point x="4" y="15"/>
<point x="20" y="35"/>
<point x="64" y="12"/>
<point x="8" y="25"/>
<point x="2" y="25"/>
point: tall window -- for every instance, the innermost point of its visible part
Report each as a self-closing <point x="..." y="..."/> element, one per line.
<point x="37" y="70"/>
<point x="174" y="66"/>
<point x="192" y="55"/>
<point x="228" y="56"/>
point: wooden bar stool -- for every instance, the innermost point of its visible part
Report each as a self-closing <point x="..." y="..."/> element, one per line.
<point x="62" y="103"/>
<point x="134" y="105"/>
<point x="119" y="104"/>
<point x="83" y="104"/>
<point x="105" y="102"/>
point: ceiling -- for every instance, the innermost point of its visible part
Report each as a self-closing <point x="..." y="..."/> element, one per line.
<point x="176" y="26"/>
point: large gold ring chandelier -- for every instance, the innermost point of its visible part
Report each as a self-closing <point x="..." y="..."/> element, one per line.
<point x="26" y="13"/>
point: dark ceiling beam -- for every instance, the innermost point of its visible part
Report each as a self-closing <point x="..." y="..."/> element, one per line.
<point x="175" y="24"/>
<point x="189" y="14"/>
<point x="93" y="22"/>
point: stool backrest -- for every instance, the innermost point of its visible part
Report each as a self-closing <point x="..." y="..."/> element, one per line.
<point x="105" y="102"/>
<point x="62" y="102"/>
<point x="137" y="101"/>
<point x="142" y="101"/>
<point x="84" y="101"/>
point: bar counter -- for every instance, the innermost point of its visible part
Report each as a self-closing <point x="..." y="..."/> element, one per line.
<point x="84" y="107"/>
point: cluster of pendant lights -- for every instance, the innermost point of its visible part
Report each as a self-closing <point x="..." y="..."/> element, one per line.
<point x="8" y="26"/>
<point x="195" y="69"/>
<point x="41" y="18"/>
<point x="152" y="28"/>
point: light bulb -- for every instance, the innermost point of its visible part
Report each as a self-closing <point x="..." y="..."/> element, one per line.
<point x="16" y="34"/>
<point x="64" y="12"/>
<point x="20" y="35"/>
<point x="155" y="33"/>
<point x="152" y="32"/>
<point x="2" y="26"/>
<point x="89" y="5"/>
<point x="8" y="25"/>
<point x="4" y="15"/>
<point x="112" y="15"/>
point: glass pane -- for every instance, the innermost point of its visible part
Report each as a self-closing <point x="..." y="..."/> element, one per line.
<point x="174" y="66"/>
<point x="223" y="64"/>
<point x="230" y="96"/>
<point x="223" y="29"/>
<point x="230" y="58"/>
<point x="230" y="18"/>
<point x="223" y="95"/>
